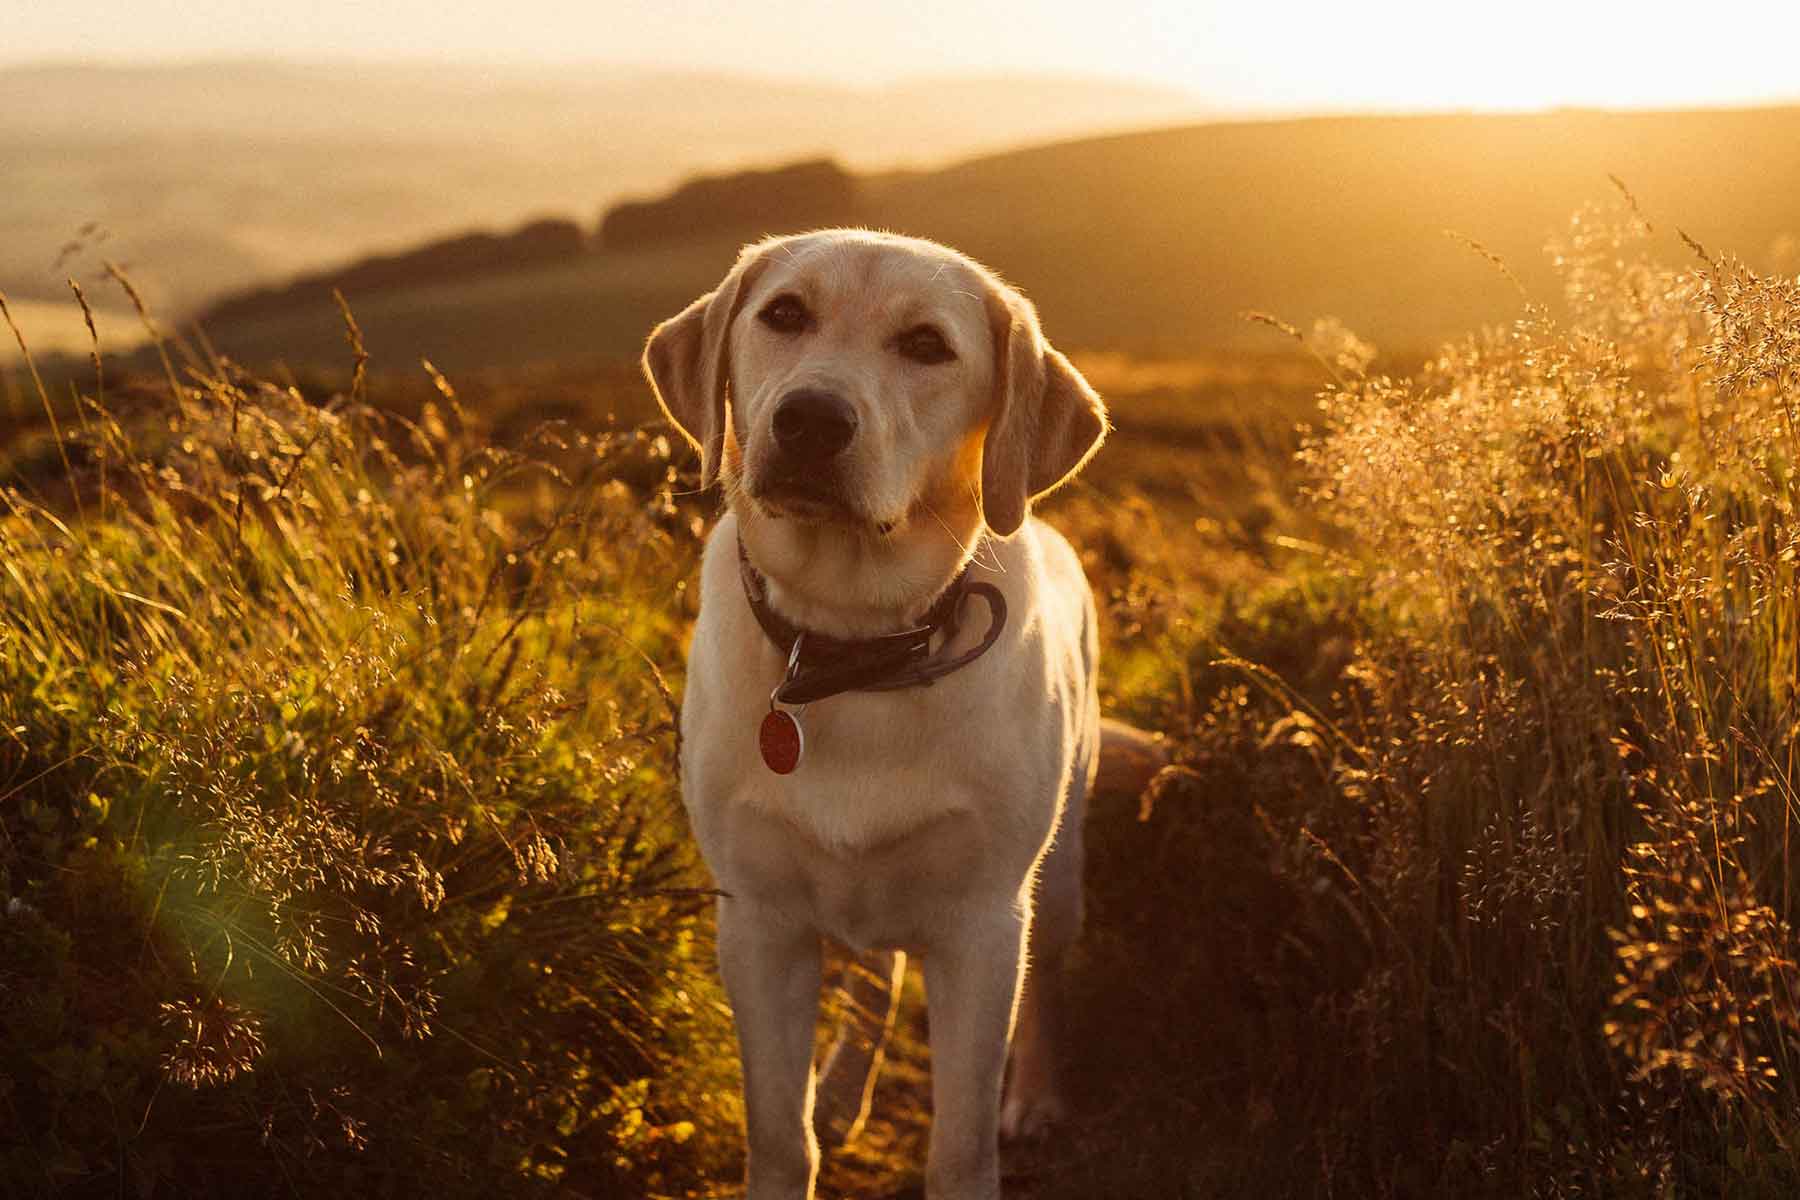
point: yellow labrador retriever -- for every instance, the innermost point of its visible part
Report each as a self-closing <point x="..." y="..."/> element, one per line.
<point x="890" y="724"/>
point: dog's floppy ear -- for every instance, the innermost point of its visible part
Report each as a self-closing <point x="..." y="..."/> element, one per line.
<point x="1047" y="420"/>
<point x="689" y="368"/>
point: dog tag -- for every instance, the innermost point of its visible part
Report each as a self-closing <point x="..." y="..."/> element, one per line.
<point x="780" y="741"/>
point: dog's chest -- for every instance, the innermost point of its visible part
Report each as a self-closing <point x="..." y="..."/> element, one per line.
<point x="874" y="766"/>
<point x="897" y="895"/>
<point x="903" y="806"/>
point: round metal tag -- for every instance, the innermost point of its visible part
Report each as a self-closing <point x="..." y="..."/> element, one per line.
<point x="780" y="741"/>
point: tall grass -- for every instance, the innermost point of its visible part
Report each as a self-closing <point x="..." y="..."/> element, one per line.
<point x="337" y="850"/>
<point x="1589" y="532"/>
<point x="1482" y="862"/>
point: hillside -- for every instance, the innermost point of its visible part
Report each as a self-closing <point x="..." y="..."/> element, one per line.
<point x="1157" y="242"/>
<point x="212" y="177"/>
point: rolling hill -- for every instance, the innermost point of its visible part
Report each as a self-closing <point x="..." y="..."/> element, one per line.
<point x="1157" y="242"/>
<point x="210" y="177"/>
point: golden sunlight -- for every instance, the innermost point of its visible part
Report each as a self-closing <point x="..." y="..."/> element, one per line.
<point x="1409" y="55"/>
<point x="508" y="531"/>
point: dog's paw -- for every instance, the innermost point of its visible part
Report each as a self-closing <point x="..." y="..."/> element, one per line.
<point x="1029" y="1113"/>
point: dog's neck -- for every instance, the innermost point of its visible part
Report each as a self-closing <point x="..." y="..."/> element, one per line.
<point x="850" y="583"/>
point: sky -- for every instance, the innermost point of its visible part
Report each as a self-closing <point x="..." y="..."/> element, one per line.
<point x="1247" y="55"/>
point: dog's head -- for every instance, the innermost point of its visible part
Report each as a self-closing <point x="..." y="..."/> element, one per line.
<point x="864" y="395"/>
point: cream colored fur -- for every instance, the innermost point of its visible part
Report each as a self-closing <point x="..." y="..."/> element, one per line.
<point x="925" y="820"/>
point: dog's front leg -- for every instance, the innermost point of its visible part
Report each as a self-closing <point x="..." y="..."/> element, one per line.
<point x="971" y="990"/>
<point x="772" y="972"/>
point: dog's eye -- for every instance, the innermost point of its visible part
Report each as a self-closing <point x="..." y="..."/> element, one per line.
<point x="785" y="314"/>
<point x="924" y="344"/>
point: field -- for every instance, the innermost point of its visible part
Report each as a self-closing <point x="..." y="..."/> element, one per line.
<point x="339" y="851"/>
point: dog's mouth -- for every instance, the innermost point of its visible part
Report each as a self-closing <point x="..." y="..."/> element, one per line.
<point x="810" y="497"/>
<point x="816" y="496"/>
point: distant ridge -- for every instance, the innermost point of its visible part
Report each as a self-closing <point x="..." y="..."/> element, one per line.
<point x="812" y="193"/>
<point x="1157" y="242"/>
<point x="213" y="177"/>
<point x="463" y="257"/>
<point x="815" y="192"/>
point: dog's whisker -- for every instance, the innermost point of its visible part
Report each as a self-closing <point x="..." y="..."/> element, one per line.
<point x="961" y="545"/>
<point x="996" y="566"/>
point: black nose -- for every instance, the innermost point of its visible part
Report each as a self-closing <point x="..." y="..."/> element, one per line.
<point x="813" y="425"/>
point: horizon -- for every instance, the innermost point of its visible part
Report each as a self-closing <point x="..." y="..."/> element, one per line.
<point x="1206" y="110"/>
<point x="451" y="137"/>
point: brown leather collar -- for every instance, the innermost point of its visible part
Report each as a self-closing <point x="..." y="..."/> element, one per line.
<point x="820" y="666"/>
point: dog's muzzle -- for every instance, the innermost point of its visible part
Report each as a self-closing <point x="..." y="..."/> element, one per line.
<point x="812" y="428"/>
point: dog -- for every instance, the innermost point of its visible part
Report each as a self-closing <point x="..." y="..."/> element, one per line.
<point x="890" y="724"/>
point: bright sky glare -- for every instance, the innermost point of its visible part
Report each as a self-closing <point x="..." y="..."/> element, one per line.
<point x="1244" y="55"/>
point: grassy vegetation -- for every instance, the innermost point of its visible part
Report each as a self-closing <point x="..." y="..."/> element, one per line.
<point x="1476" y="878"/>
<point x="337" y="849"/>
<point x="336" y="795"/>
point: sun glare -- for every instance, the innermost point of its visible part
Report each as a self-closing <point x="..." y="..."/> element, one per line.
<point x="1237" y="57"/>
<point x="1405" y="55"/>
